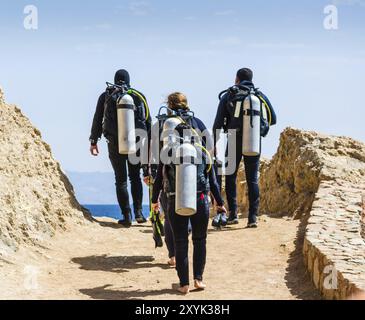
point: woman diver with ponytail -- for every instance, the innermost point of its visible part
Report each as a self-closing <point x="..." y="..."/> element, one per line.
<point x="164" y="190"/>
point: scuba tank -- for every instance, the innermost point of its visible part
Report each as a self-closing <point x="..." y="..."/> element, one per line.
<point x="167" y="135"/>
<point x="186" y="179"/>
<point x="184" y="158"/>
<point x="126" y="125"/>
<point x="251" y="137"/>
<point x="169" y="126"/>
<point x="257" y="116"/>
<point x="170" y="121"/>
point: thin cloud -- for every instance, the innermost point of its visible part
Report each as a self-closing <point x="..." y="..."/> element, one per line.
<point x="190" y="18"/>
<point x="91" y="48"/>
<point x="349" y="3"/>
<point x="329" y="60"/>
<point x="188" y="53"/>
<point x="228" y="12"/>
<point x="104" y="26"/>
<point x="101" y="26"/>
<point x="139" y="8"/>
<point x="227" y="41"/>
<point x="272" y="45"/>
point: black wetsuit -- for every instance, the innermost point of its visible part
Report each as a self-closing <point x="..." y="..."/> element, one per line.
<point x="165" y="180"/>
<point x="225" y="119"/>
<point x="198" y="125"/>
<point x="122" y="167"/>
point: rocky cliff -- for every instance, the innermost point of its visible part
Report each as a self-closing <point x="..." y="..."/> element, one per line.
<point x="36" y="198"/>
<point x="363" y="216"/>
<point x="291" y="179"/>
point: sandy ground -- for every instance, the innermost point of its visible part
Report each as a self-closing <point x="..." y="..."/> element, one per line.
<point x="104" y="261"/>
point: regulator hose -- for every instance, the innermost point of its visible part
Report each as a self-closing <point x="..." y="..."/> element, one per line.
<point x="140" y="95"/>
<point x="208" y="154"/>
<point x="267" y="108"/>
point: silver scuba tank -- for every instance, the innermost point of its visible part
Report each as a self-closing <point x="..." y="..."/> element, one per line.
<point x="169" y="139"/>
<point x="186" y="179"/>
<point x="251" y="137"/>
<point x="169" y="126"/>
<point x="126" y="126"/>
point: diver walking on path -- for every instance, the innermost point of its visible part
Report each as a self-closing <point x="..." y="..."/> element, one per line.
<point x="106" y="122"/>
<point x="177" y="111"/>
<point x="187" y="205"/>
<point x="247" y="112"/>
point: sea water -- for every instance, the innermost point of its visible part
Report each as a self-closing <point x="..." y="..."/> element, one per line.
<point x="111" y="211"/>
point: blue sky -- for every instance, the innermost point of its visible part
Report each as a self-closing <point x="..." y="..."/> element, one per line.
<point x="314" y="77"/>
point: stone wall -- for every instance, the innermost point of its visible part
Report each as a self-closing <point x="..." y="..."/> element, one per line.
<point x="320" y="179"/>
<point x="334" y="251"/>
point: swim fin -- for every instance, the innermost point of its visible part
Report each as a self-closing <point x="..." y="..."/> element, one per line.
<point x="157" y="229"/>
<point x="216" y="223"/>
<point x="224" y="219"/>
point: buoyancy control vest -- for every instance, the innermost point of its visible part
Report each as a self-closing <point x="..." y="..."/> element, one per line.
<point x="170" y="120"/>
<point x="167" y="124"/>
<point x="113" y="95"/>
<point x="202" y="179"/>
<point x="236" y="97"/>
<point x="164" y="140"/>
<point x="187" y="172"/>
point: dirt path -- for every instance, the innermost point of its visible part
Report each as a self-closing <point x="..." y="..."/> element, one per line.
<point x="103" y="261"/>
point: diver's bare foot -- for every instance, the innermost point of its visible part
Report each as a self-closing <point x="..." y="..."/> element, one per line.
<point x="184" y="290"/>
<point x="172" y="262"/>
<point x="199" y="285"/>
